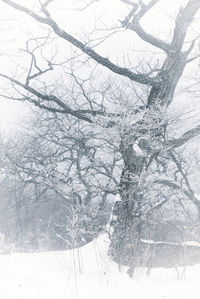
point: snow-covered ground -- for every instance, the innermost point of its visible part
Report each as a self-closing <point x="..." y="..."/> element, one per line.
<point x="89" y="273"/>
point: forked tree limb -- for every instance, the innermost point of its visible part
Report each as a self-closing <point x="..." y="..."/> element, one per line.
<point x="139" y="78"/>
<point x="161" y="89"/>
<point x="41" y="100"/>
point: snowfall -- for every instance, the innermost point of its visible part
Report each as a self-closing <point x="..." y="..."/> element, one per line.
<point x="89" y="273"/>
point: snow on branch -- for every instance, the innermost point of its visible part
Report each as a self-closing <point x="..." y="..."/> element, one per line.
<point x="183" y="244"/>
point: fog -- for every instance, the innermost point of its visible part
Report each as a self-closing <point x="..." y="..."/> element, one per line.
<point x="100" y="136"/>
<point x="16" y="29"/>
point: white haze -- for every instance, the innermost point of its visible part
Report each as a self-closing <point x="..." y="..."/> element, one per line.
<point x="16" y="28"/>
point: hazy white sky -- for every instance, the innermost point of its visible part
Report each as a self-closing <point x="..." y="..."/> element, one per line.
<point x="15" y="28"/>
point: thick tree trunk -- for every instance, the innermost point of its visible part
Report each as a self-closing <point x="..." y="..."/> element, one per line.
<point x="126" y="222"/>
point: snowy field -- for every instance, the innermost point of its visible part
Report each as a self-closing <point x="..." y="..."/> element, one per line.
<point x="89" y="273"/>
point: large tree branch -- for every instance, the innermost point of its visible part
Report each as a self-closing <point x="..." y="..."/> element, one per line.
<point x="183" y="21"/>
<point x="182" y="244"/>
<point x="140" y="78"/>
<point x="61" y="107"/>
<point x="176" y="60"/>
<point x="174" y="185"/>
<point x="147" y="37"/>
<point x="134" y="25"/>
<point x="174" y="143"/>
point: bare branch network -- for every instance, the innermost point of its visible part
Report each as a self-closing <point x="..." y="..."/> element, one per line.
<point x="111" y="136"/>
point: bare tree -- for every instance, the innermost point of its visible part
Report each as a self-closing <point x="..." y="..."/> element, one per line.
<point x="56" y="157"/>
<point x="139" y="129"/>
